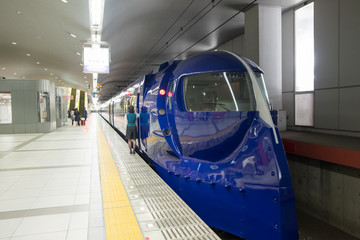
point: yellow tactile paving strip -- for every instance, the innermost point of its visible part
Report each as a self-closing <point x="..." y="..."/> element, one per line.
<point x="120" y="221"/>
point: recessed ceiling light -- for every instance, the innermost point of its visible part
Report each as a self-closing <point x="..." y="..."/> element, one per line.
<point x="23" y="77"/>
<point x="14" y="43"/>
<point x="19" y="12"/>
<point x="28" y="54"/>
<point x="14" y="73"/>
<point x="51" y="74"/>
<point x="37" y="62"/>
<point x="78" y="53"/>
<point x="45" y="69"/>
<point x="85" y="77"/>
<point x="73" y="35"/>
<point x="4" y="68"/>
<point x="64" y="1"/>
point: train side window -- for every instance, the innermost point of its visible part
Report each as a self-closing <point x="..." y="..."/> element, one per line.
<point x="218" y="92"/>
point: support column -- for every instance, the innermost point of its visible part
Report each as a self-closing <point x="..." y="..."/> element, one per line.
<point x="262" y="44"/>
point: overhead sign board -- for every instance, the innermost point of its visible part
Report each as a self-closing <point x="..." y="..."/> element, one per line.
<point x="96" y="58"/>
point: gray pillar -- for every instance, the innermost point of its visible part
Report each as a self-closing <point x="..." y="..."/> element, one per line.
<point x="262" y="44"/>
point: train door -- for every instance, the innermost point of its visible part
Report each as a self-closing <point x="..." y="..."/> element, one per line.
<point x="109" y="112"/>
<point x="112" y="114"/>
<point x="138" y="119"/>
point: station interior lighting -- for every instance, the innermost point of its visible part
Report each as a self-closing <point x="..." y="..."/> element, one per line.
<point x="96" y="11"/>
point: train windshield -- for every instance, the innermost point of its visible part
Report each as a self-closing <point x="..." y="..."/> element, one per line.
<point x="218" y="92"/>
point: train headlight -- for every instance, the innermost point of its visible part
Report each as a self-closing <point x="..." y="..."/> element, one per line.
<point x="162" y="92"/>
<point x="161" y="111"/>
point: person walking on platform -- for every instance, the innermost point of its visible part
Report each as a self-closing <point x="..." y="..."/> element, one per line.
<point x="131" y="130"/>
<point x="72" y="116"/>
<point x="77" y="116"/>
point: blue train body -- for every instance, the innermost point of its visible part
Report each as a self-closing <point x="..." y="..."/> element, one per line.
<point x="206" y="126"/>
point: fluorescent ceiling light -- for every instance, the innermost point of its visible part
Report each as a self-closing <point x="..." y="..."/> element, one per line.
<point x="95" y="37"/>
<point x="96" y="12"/>
<point x="96" y="8"/>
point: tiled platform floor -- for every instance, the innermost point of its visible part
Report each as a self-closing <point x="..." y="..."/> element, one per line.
<point x="50" y="185"/>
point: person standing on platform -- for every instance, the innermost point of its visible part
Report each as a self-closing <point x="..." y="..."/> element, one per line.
<point x="72" y="116"/>
<point x="144" y="126"/>
<point x="85" y="114"/>
<point x="77" y="116"/>
<point x="131" y="130"/>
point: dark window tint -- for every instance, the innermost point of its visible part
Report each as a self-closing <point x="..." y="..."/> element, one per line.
<point x="218" y="92"/>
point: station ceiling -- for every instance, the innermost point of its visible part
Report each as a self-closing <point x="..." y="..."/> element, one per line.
<point x="43" y="39"/>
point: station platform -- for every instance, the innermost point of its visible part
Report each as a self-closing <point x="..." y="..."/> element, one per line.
<point x="80" y="182"/>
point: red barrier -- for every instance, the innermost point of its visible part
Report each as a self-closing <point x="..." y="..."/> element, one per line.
<point x="346" y="157"/>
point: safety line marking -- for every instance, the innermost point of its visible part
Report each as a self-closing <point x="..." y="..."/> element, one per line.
<point x="120" y="220"/>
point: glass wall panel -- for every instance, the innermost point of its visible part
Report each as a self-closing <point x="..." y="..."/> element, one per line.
<point x="304" y="65"/>
<point x="304" y="48"/>
<point x="5" y="108"/>
<point x="304" y="109"/>
<point x="44" y="107"/>
<point x="58" y="107"/>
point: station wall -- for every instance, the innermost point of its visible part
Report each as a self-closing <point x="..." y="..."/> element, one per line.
<point x="327" y="191"/>
<point x="337" y="83"/>
<point x="25" y="106"/>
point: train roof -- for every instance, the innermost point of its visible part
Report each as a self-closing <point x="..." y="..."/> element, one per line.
<point x="213" y="61"/>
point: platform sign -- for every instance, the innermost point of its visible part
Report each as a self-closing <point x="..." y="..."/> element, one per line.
<point x="96" y="59"/>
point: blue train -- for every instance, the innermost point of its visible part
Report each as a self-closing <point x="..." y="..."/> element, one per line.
<point x="206" y="126"/>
